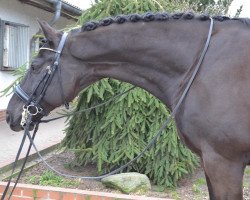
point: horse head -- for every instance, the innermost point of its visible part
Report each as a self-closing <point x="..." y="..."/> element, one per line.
<point x="50" y="81"/>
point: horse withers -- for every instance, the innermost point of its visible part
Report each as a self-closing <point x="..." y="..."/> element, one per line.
<point x="158" y="52"/>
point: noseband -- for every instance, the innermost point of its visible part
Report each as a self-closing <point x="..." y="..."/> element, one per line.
<point x="32" y="103"/>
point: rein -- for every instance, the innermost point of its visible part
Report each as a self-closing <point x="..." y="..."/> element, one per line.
<point x="88" y="109"/>
<point x="27" y="120"/>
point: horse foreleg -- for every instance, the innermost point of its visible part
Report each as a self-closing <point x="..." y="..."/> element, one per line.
<point x="209" y="185"/>
<point x="210" y="188"/>
<point x="224" y="176"/>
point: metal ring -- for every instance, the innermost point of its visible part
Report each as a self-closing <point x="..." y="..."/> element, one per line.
<point x="30" y="111"/>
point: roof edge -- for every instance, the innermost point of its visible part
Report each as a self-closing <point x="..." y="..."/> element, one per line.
<point x="69" y="11"/>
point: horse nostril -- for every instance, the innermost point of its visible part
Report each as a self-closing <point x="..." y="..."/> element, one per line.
<point x="8" y="118"/>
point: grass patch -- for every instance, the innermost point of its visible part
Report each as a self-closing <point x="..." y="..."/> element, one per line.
<point x="48" y="178"/>
<point x="198" y="184"/>
<point x="174" y="194"/>
<point x="159" y="188"/>
<point x="247" y="171"/>
<point x="196" y="189"/>
<point x="246" y="184"/>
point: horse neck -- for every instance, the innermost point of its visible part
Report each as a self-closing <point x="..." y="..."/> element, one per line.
<point x="156" y="56"/>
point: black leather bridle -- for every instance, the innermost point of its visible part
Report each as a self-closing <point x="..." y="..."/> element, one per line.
<point x="32" y="102"/>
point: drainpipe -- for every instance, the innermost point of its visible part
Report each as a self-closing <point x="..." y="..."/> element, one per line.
<point x="66" y="6"/>
<point x="58" y="8"/>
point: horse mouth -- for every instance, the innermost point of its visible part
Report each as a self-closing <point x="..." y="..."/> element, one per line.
<point x="15" y="128"/>
<point x="15" y="125"/>
<point x="18" y="128"/>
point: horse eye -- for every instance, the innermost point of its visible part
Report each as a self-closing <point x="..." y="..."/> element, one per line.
<point x="32" y="67"/>
<point x="43" y="40"/>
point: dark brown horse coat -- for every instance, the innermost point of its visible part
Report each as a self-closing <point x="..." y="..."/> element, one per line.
<point x="158" y="53"/>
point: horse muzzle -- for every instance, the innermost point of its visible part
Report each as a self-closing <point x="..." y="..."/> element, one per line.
<point x="15" y="124"/>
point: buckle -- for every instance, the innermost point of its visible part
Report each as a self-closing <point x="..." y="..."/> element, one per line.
<point x="27" y="111"/>
<point x="33" y="110"/>
<point x="24" y="116"/>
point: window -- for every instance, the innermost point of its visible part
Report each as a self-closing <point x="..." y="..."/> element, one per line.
<point x="14" y="45"/>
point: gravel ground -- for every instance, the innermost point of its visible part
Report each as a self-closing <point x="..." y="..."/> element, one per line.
<point x="192" y="187"/>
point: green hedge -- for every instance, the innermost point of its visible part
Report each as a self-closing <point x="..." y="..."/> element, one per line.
<point x="114" y="134"/>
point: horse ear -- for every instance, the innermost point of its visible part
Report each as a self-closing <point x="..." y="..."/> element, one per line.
<point x="50" y="33"/>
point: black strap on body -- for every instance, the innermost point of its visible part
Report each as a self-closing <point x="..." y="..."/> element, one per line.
<point x="69" y="114"/>
<point x="25" y="160"/>
<point x="16" y="160"/>
<point x="14" y="166"/>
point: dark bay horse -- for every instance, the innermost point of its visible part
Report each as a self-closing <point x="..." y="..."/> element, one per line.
<point x="158" y="52"/>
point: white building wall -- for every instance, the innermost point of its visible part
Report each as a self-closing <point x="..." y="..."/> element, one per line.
<point x="15" y="11"/>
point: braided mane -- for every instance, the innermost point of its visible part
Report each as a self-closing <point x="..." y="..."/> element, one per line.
<point x="147" y="17"/>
